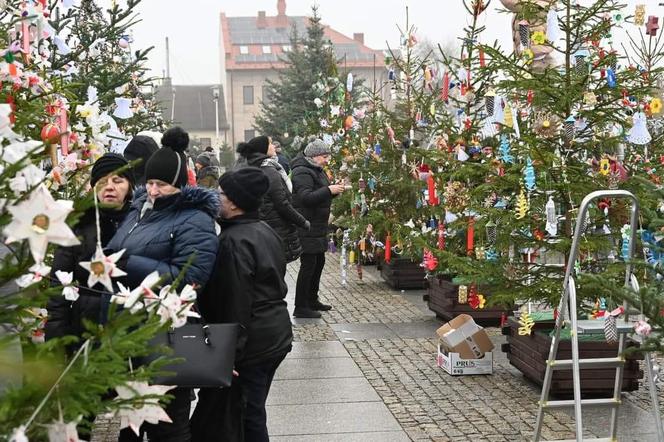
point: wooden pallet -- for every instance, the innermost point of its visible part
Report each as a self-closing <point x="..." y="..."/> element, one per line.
<point x="529" y="353"/>
<point x="443" y="299"/>
<point x="402" y="273"/>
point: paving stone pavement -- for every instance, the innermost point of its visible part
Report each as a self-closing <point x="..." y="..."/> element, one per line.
<point x="388" y="337"/>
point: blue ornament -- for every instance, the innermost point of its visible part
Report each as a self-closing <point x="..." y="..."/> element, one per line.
<point x="371" y="184"/>
<point x="491" y="254"/>
<point x="529" y="175"/>
<point x="611" y="77"/>
<point x="505" y="154"/>
<point x="433" y="223"/>
<point x="377" y="149"/>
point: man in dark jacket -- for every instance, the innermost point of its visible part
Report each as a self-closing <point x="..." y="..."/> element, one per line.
<point x="313" y="195"/>
<point x="277" y="208"/>
<point x="207" y="174"/>
<point x="113" y="183"/>
<point x="247" y="287"/>
<point x="282" y="158"/>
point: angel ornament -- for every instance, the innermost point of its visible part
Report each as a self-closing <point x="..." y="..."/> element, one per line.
<point x="639" y="134"/>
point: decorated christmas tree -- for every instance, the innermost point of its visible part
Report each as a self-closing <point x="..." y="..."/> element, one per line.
<point x="53" y="125"/>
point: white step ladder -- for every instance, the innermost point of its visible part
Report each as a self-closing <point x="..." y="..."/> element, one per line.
<point x="569" y="301"/>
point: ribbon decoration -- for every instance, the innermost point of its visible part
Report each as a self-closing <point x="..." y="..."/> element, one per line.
<point x="526" y="324"/>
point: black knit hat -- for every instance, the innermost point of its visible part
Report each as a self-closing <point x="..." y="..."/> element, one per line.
<point x="109" y="163"/>
<point x="245" y="187"/>
<point x="257" y="144"/>
<point x="204" y="160"/>
<point x="169" y="164"/>
<point x="140" y="147"/>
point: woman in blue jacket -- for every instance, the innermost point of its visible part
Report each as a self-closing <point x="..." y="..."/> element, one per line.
<point x="169" y="224"/>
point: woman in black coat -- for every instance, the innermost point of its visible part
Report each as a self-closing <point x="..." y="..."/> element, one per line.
<point x="247" y="287"/>
<point x="277" y="208"/>
<point x="313" y="195"/>
<point x="168" y="225"/>
<point x="114" y="190"/>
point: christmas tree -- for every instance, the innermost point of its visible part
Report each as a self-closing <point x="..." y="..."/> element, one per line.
<point x="53" y="126"/>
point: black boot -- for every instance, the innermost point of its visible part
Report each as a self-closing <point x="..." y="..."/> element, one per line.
<point x="321" y="307"/>
<point x="306" y="313"/>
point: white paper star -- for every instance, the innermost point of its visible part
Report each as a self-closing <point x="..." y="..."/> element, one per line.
<point x="148" y="410"/>
<point x="40" y="219"/>
<point x="102" y="268"/>
<point x="60" y="431"/>
<point x="131" y="298"/>
<point x="39" y="271"/>
<point x="18" y="435"/>
<point x="68" y="290"/>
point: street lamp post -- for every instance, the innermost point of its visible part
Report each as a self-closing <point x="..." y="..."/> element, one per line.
<point x="215" y="95"/>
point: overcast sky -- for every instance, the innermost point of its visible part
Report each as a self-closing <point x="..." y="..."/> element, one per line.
<point x="193" y="26"/>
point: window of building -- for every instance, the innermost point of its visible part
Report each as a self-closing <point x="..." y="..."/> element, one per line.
<point x="286" y="48"/>
<point x="248" y="94"/>
<point x="249" y="134"/>
<point x="264" y="97"/>
<point x="244" y="50"/>
<point x="267" y="49"/>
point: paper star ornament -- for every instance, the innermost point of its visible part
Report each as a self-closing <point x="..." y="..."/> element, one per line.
<point x="60" y="431"/>
<point x="176" y="307"/>
<point x="18" y="435"/>
<point x="38" y="272"/>
<point x="102" y="268"/>
<point x="131" y="299"/>
<point x="147" y="410"/>
<point x="40" y="219"/>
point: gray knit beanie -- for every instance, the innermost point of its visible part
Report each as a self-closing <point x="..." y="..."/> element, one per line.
<point x="317" y="147"/>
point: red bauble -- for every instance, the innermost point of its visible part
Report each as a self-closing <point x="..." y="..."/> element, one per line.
<point x="50" y="133"/>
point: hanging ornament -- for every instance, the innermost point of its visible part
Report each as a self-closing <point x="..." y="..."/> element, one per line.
<point x="546" y="125"/>
<point x="611" y="78"/>
<point x="589" y="98"/>
<point x="480" y="253"/>
<point x="642" y="328"/>
<point x="378" y="149"/>
<point x="481" y="57"/>
<point x="59" y="431"/>
<point x="149" y="410"/>
<point x="639" y="15"/>
<point x="580" y="59"/>
<point x="457" y="196"/>
<point x="604" y="166"/>
<point x="429" y="261"/>
<point x="470" y="236"/>
<point x="349" y="82"/>
<point x="388" y="248"/>
<point x="524" y="33"/>
<point x="625" y="234"/>
<point x="526" y="324"/>
<point x="441" y="236"/>
<point x="489" y="101"/>
<point x="40" y="219"/>
<point x="521" y="205"/>
<point x="638" y="134"/>
<point x="445" y="88"/>
<point x="552" y="26"/>
<point x="491" y="229"/>
<point x="462" y="296"/>
<point x="652" y="26"/>
<point x="476" y="300"/>
<point x="551" y="217"/>
<point x="50" y="133"/>
<point x="569" y="129"/>
<point x="431" y="186"/>
<point x="102" y="268"/>
<point x="529" y="175"/>
<point x="505" y="154"/>
<point x="611" y="326"/>
<point x="123" y="109"/>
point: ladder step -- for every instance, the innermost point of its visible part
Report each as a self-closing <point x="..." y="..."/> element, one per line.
<point x="596" y="326"/>
<point x="566" y="364"/>
<point x="604" y="402"/>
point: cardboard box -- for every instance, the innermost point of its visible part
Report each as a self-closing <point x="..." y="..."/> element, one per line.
<point x="453" y="364"/>
<point x="463" y="336"/>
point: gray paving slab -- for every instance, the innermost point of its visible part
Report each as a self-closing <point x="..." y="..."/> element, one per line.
<point x="363" y="331"/>
<point x="415" y="330"/>
<point x="321" y="391"/>
<point x="321" y="368"/>
<point x="352" y="417"/>
<point x="378" y="436"/>
<point x="325" y="349"/>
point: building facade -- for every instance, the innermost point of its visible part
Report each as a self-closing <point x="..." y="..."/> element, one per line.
<point x="251" y="51"/>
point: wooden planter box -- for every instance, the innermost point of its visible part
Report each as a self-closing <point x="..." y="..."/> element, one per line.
<point x="529" y="355"/>
<point x="402" y="273"/>
<point x="443" y="299"/>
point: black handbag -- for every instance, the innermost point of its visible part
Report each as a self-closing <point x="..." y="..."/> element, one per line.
<point x="208" y="351"/>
